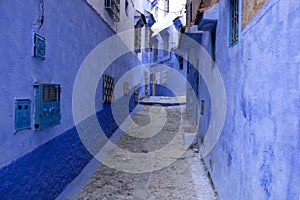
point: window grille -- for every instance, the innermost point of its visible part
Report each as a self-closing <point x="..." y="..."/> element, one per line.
<point x="234" y="22"/>
<point x="202" y="107"/>
<point x="108" y="89"/>
<point x="164" y="77"/>
<point x="146" y="83"/>
<point x="137" y="39"/>
<point x="39" y="46"/>
<point x="136" y="94"/>
<point x="152" y="78"/>
<point x="126" y="88"/>
<point x="191" y="11"/>
<point x="166" y="44"/>
<point x="126" y="7"/>
<point x="213" y="47"/>
<point x="113" y="6"/>
<point x="180" y="61"/>
<point x="148" y="43"/>
<point x="155" y="51"/>
<point x="51" y="93"/>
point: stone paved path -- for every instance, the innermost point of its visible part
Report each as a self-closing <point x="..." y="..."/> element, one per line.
<point x="157" y="167"/>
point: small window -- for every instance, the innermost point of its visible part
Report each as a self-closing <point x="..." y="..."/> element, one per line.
<point x="136" y="94"/>
<point x="137" y="38"/>
<point x="108" y="89"/>
<point x="166" y="44"/>
<point x="191" y="11"/>
<point x="180" y="61"/>
<point x="234" y="22"/>
<point x="155" y="51"/>
<point x="189" y="65"/>
<point x="213" y="48"/>
<point x="39" y="46"/>
<point x="126" y="88"/>
<point x="126" y="7"/>
<point x="146" y="83"/>
<point x="202" y="107"/>
<point x="152" y="78"/>
<point x="113" y="7"/>
<point x="164" y="78"/>
<point x="148" y="43"/>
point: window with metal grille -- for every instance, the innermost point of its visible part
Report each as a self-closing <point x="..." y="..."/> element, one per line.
<point x="126" y="88"/>
<point x="108" y="89"/>
<point x="113" y="7"/>
<point x="146" y="83"/>
<point x="126" y="7"/>
<point x="213" y="47"/>
<point x="202" y="107"/>
<point x="180" y="61"/>
<point x="51" y="93"/>
<point x="152" y="78"/>
<point x="39" y="47"/>
<point x="155" y="51"/>
<point x="234" y="22"/>
<point x="148" y="43"/>
<point x="164" y="78"/>
<point x="166" y="44"/>
<point x="136" y="94"/>
<point x="137" y="39"/>
<point x="191" y="11"/>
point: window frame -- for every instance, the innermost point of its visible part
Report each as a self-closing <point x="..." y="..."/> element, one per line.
<point x="113" y="7"/>
<point x="234" y="27"/>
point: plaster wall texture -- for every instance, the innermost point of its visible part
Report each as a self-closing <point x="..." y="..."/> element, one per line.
<point x="257" y="155"/>
<point x="168" y="64"/>
<point x="171" y="80"/>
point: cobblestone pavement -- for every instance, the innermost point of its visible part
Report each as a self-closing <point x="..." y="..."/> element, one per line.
<point x="174" y="173"/>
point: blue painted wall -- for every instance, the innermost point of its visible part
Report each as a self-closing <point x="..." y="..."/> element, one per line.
<point x="162" y="90"/>
<point x="40" y="164"/>
<point x="257" y="155"/>
<point x="175" y="85"/>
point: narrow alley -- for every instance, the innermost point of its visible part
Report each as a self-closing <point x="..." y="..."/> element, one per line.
<point x="150" y="99"/>
<point x="183" y="177"/>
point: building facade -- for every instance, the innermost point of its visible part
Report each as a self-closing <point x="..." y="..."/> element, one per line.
<point x="43" y="46"/>
<point x="167" y="71"/>
<point x="254" y="46"/>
